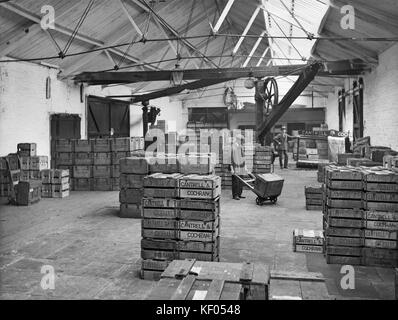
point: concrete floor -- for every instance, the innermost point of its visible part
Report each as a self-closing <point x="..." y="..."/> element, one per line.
<point x="96" y="255"/>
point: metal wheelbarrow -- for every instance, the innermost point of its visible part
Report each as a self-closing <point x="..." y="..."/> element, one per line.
<point x="267" y="187"/>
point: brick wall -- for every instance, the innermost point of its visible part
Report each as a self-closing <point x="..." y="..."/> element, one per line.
<point x="380" y="102"/>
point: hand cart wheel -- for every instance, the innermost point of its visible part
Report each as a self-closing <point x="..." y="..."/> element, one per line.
<point x="274" y="199"/>
<point x="260" y="201"/>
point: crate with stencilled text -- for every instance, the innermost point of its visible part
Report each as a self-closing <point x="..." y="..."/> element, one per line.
<point x="101" y="145"/>
<point x="254" y="277"/>
<point x="309" y="241"/>
<point x="27" y="149"/>
<point x="64" y="145"/>
<point x="199" y="187"/>
<point x="64" y="159"/>
<point x="184" y="235"/>
<point x="285" y="285"/>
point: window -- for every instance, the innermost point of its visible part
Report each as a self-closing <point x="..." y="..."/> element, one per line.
<point x="208" y="115"/>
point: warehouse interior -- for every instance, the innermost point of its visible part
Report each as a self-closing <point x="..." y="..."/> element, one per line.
<point x="122" y="123"/>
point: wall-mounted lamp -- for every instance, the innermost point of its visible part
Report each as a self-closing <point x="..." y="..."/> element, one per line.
<point x="48" y="88"/>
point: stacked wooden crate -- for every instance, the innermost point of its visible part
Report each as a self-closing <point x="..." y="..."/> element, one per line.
<point x="82" y="170"/>
<point x="55" y="183"/>
<point x="64" y="155"/>
<point x="102" y="168"/>
<point x="180" y="218"/>
<point x="311" y="241"/>
<point x="343" y="215"/>
<point x="31" y="163"/>
<point x="262" y="159"/>
<point x="313" y="197"/>
<point x="343" y="157"/>
<point x="132" y="173"/>
<point x="381" y="218"/>
<point x="5" y="179"/>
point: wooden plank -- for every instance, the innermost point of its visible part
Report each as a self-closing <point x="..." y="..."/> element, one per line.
<point x="246" y="274"/>
<point x="159" y="203"/>
<point x="381" y="187"/>
<point x="346" y="194"/>
<point x="215" y="289"/>
<point x="377" y="262"/>
<point x="346" y="223"/>
<point x="308" y="248"/>
<point x="314" y="291"/>
<point x="381" y="234"/>
<point x="382" y="197"/>
<point x="160" y="193"/>
<point x="157" y="265"/>
<point x="345" y="213"/>
<point x="283" y="289"/>
<point x="381" y="206"/>
<point x="344" y="174"/>
<point x="344" y="242"/>
<point x="345" y="204"/>
<point x="198" y="225"/>
<point x="344" y="185"/>
<point x="344" y="251"/>
<point x="379" y="215"/>
<point x="162" y="180"/>
<point x="194" y="181"/>
<point x="383" y="176"/>
<point x="183" y="289"/>
<point x="297" y="276"/>
<point x="200" y="204"/>
<point x="200" y="215"/>
<point x="160" y="213"/>
<point x="343" y="260"/>
<point x="159" y="234"/>
<point x="200" y="193"/>
<point x="377" y="243"/>
<point x="151" y="275"/>
<point x="198" y="235"/>
<point x="380" y="253"/>
<point x="178" y="269"/>
<point x="159" y="224"/>
<point x="382" y="225"/>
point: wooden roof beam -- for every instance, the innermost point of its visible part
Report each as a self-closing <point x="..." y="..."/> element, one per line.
<point x="246" y="30"/>
<point x="253" y="49"/>
<point x="222" y="16"/>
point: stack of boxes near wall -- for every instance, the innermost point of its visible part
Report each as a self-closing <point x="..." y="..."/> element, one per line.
<point x="30" y="185"/>
<point x="82" y="169"/>
<point x="343" y="215"/>
<point x="102" y="168"/>
<point x="361" y="216"/>
<point x="180" y="215"/>
<point x="6" y="181"/>
<point x="55" y="183"/>
<point x="313" y="197"/>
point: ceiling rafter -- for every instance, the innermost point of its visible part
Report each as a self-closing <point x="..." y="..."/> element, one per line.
<point x="86" y="39"/>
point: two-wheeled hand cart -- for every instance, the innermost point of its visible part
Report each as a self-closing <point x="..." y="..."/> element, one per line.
<point x="267" y="187"/>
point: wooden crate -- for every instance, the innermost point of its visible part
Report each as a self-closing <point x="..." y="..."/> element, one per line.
<point x="35" y="175"/>
<point x="131" y="181"/>
<point x="381" y="187"/>
<point x="84" y="159"/>
<point x="84" y="146"/>
<point x="82" y="172"/>
<point x="59" y="176"/>
<point x="134" y="165"/>
<point x="344" y="251"/>
<point x="148" y="223"/>
<point x="162" y="180"/>
<point x="102" y="171"/>
<point x="25" y="163"/>
<point x="64" y="159"/>
<point x="28" y="192"/>
<point x="102" y="184"/>
<point x="201" y="236"/>
<point x="297" y="286"/>
<point x="60" y="190"/>
<point x="308" y="241"/>
<point x="115" y="171"/>
<point x="343" y="260"/>
<point x="165" y="163"/>
<point x="38" y="163"/>
<point x="64" y="145"/>
<point x="254" y="278"/>
<point x="46" y="176"/>
<point x="191" y="288"/>
<point x="196" y="164"/>
<point x="128" y="210"/>
<point x="131" y="196"/>
<point x="207" y="194"/>
<point x="82" y="184"/>
<point x="27" y="149"/>
<point x="116" y="156"/>
<point x="102" y="158"/>
<point x="46" y="191"/>
<point x="160" y="192"/>
<point x="120" y="144"/>
<point x="101" y="145"/>
<point x="345" y="213"/>
<point x="344" y="241"/>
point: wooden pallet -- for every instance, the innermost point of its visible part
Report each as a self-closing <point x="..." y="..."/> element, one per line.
<point x="297" y="286"/>
<point x="254" y="278"/>
<point x="191" y="288"/>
